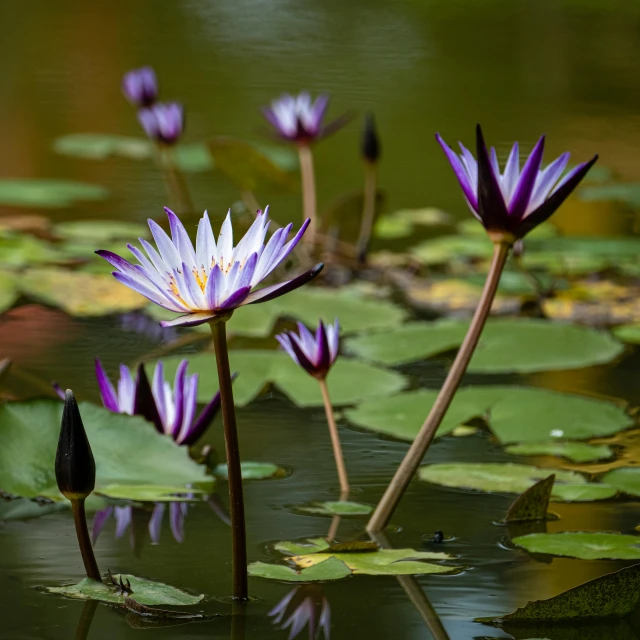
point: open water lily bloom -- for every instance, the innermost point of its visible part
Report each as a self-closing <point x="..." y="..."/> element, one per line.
<point x="140" y="86"/>
<point x="214" y="278"/>
<point x="512" y="202"/>
<point x="314" y="353"/>
<point x="298" y="119"/>
<point x="172" y="411"/>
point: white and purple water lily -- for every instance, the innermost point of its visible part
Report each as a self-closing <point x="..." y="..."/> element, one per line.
<point x="298" y="119"/>
<point x="140" y="86"/>
<point x="515" y="200"/>
<point x="214" y="278"/>
<point x="172" y="411"/>
<point x="163" y="121"/>
<point x="315" y="354"/>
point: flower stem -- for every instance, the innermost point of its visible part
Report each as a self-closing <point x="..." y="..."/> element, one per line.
<point x="308" y="192"/>
<point x="413" y="457"/>
<point x="368" y="210"/>
<point x="86" y="618"/>
<point x="174" y="180"/>
<point x="82" y="533"/>
<point x="335" y="438"/>
<point x="236" y="500"/>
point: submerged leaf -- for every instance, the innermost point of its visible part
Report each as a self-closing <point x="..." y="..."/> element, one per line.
<point x="585" y="545"/>
<point x="329" y="569"/>
<point x="533" y="503"/>
<point x="47" y="193"/>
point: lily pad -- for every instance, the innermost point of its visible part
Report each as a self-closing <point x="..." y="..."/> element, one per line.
<point x="585" y="545"/>
<point x="8" y="290"/>
<point x="294" y="548"/>
<point x="514" y="414"/>
<point x="127" y="450"/>
<point x="24" y="250"/>
<point x="401" y="224"/>
<point x="329" y="569"/>
<point x="513" y="478"/>
<point x="627" y="192"/>
<point x="253" y="470"/>
<point x="506" y="345"/>
<point x="99" y="146"/>
<point x="384" y="562"/>
<point x="349" y="381"/>
<point x="628" y="333"/>
<point x="574" y="451"/>
<point x="338" y="508"/>
<point x="144" y="591"/>
<point x="454" y="248"/>
<point x="626" y="480"/>
<point x="193" y="158"/>
<point x="150" y="493"/>
<point x="79" y="293"/>
<point x="47" y="193"/>
<point x="99" y="231"/>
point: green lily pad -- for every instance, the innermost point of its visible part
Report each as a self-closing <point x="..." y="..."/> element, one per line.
<point x="401" y="224"/>
<point x="628" y="192"/>
<point x="471" y="227"/>
<point x="349" y="380"/>
<point x="514" y="414"/>
<point x="446" y="249"/>
<point x="574" y="451"/>
<point x="144" y="591"/>
<point x="79" y="293"/>
<point x="24" y="250"/>
<point x="99" y="146"/>
<point x="338" y="508"/>
<point x="100" y="231"/>
<point x="22" y="509"/>
<point x="628" y="333"/>
<point x="506" y="477"/>
<point x="8" y="290"/>
<point x="149" y="493"/>
<point x="193" y="158"/>
<point x="626" y="479"/>
<point x="585" y="545"/>
<point x="610" y="596"/>
<point x="295" y="548"/>
<point x="127" y="450"/>
<point x="506" y="345"/>
<point x="384" y="562"/>
<point x="253" y="470"/>
<point x="330" y="569"/>
<point x="47" y="193"/>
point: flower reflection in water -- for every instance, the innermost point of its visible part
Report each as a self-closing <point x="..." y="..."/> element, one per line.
<point x="303" y="606"/>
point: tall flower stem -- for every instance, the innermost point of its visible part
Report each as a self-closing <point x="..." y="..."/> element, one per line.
<point x="368" y="209"/>
<point x="84" y="540"/>
<point x="335" y="438"/>
<point x="413" y="457"/>
<point x="174" y="180"/>
<point x="335" y="521"/>
<point x="308" y="192"/>
<point x="236" y="500"/>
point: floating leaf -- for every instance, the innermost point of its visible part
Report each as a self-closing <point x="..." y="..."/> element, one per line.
<point x="506" y="477"/>
<point x="99" y="146"/>
<point x="100" y="231"/>
<point x="522" y="345"/>
<point x="446" y="249"/>
<point x="628" y="333"/>
<point x="25" y="250"/>
<point x="294" y="548"/>
<point x="34" y="427"/>
<point x="8" y="290"/>
<point x="609" y="596"/>
<point x="145" y="592"/>
<point x="151" y="614"/>
<point x="629" y="193"/>
<point x="401" y="224"/>
<point x="514" y="414"/>
<point x="350" y="381"/>
<point x="585" y="545"/>
<point x="533" y="503"/>
<point x="192" y="158"/>
<point x="329" y="569"/>
<point x="338" y="508"/>
<point x="22" y="509"/>
<point x="149" y="492"/>
<point x="47" y="193"/>
<point x="471" y="227"/>
<point x="575" y="451"/>
<point x="384" y="562"/>
<point x="253" y="470"/>
<point x="79" y="293"/>
<point x="626" y="479"/>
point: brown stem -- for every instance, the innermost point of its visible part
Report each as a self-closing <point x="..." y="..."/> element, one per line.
<point x="335" y="521"/>
<point x="236" y="500"/>
<point x="335" y="438"/>
<point x="174" y="180"/>
<point x="308" y="192"/>
<point x="413" y="457"/>
<point x="368" y="210"/>
<point x="86" y="618"/>
<point x="82" y="533"/>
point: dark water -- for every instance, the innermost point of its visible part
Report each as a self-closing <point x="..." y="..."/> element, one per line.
<point x="567" y="68"/>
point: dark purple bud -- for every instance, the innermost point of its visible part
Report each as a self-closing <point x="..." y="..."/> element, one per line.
<point x="163" y="122"/>
<point x="370" y="142"/>
<point x="144" y="404"/>
<point x="75" y="466"/>
<point x="140" y="87"/>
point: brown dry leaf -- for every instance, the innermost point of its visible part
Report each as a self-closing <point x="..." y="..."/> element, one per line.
<point x="533" y="503"/>
<point x="36" y="225"/>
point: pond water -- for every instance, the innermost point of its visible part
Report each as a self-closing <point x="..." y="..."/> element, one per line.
<point x="568" y="68"/>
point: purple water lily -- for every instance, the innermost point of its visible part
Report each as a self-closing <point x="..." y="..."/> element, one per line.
<point x="163" y="121"/>
<point x="512" y="203"/>
<point x="140" y="86"/>
<point x="298" y="119"/>
<point x="212" y="279"/>
<point x="304" y="605"/>
<point x="315" y="354"/>
<point x="172" y="411"/>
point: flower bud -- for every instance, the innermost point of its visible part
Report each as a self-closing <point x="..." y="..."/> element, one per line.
<point x="370" y="146"/>
<point x="75" y="466"/>
<point x="163" y="121"/>
<point x="140" y="87"/>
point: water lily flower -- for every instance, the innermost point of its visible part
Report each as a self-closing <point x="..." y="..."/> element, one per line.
<point x="163" y="121"/>
<point x="303" y="606"/>
<point x="172" y="411"/>
<point x="213" y="279"/>
<point x="140" y="86"/>
<point x="298" y="119"/>
<point x="509" y="204"/>
<point x="315" y="354"/>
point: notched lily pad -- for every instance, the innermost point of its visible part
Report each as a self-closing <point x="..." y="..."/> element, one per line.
<point x="253" y="470"/>
<point x="338" y="508"/>
<point x="145" y="592"/>
<point x="585" y="545"/>
<point x="329" y="569"/>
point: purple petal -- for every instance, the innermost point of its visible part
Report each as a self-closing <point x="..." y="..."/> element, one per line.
<point x="204" y="420"/>
<point x="159" y="395"/>
<point x="235" y="299"/>
<point x="144" y="403"/>
<point x="99" y="520"/>
<point x="522" y="194"/>
<point x="491" y="207"/>
<point x="176" y="518"/>
<point x="191" y="319"/>
<point x="155" y="522"/>
<point x="123" y="517"/>
<point x="318" y="109"/>
<point x="323" y="354"/>
<point x="275" y="291"/>
<point x="460" y="172"/>
<point x="59" y="391"/>
<point x="301" y="357"/>
<point x="107" y="392"/>
<point x="336" y="125"/>
<point x="179" y="397"/>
